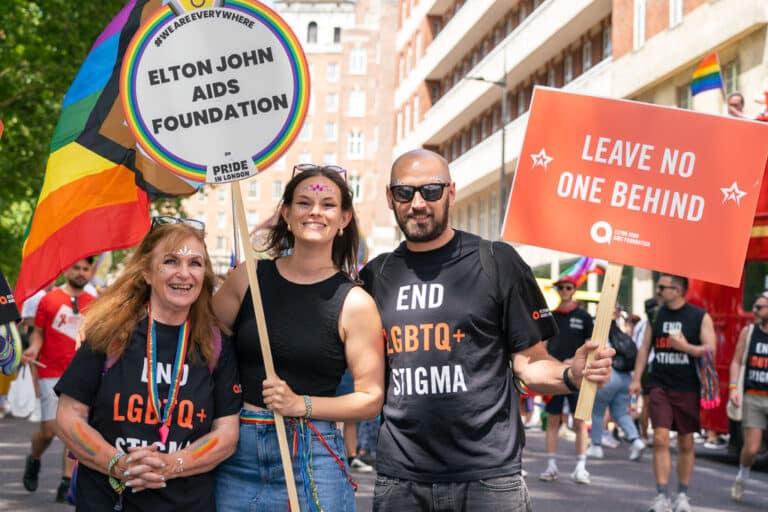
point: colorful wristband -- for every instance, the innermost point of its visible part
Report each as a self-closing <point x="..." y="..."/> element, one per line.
<point x="116" y="484"/>
<point x="307" y="407"/>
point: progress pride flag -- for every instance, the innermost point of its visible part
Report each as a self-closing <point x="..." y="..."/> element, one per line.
<point x="638" y="184"/>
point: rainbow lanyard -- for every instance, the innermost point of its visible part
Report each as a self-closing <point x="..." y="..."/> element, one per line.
<point x="178" y="368"/>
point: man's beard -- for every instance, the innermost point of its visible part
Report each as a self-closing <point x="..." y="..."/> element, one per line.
<point x="432" y="232"/>
<point x="76" y="285"/>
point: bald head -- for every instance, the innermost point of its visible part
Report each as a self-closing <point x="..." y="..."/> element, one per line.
<point x="416" y="162"/>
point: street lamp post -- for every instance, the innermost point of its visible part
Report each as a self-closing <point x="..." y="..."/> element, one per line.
<point x="502" y="172"/>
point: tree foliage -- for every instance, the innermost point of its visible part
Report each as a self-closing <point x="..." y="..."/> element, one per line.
<point x="43" y="43"/>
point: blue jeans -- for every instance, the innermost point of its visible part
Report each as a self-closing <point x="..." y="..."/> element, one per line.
<point x="507" y="493"/>
<point x="252" y="479"/>
<point x="615" y="395"/>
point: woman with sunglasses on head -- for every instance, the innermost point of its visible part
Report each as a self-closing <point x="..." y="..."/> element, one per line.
<point x="149" y="403"/>
<point x="319" y="323"/>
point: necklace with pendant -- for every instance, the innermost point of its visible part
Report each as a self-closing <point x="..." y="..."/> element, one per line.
<point x="176" y="373"/>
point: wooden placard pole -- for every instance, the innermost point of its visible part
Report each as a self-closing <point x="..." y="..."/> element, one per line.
<point x="266" y="351"/>
<point x="603" y="321"/>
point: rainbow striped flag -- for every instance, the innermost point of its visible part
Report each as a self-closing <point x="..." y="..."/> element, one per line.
<point x="97" y="186"/>
<point x="707" y="76"/>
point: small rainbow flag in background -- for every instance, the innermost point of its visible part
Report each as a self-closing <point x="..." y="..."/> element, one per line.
<point x="707" y="76"/>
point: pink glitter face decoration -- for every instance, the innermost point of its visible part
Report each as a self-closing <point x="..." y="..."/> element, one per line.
<point x="317" y="188"/>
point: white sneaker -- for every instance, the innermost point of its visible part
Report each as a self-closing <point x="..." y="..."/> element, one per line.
<point x="550" y="475"/>
<point x="737" y="489"/>
<point x="581" y="476"/>
<point x="660" y="504"/>
<point x="595" y="451"/>
<point x="681" y="503"/>
<point x="609" y="441"/>
<point x="636" y="450"/>
<point x="359" y="466"/>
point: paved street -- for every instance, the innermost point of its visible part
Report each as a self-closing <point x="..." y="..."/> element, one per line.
<point x="616" y="483"/>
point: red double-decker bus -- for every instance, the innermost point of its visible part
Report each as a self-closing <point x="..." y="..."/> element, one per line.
<point x="731" y="308"/>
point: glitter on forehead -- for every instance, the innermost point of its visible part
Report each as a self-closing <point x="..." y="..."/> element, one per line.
<point x="186" y="251"/>
<point x="437" y="178"/>
<point x="317" y="187"/>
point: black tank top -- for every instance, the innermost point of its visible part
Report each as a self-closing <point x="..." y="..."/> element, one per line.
<point x="672" y="369"/>
<point x="756" y="373"/>
<point x="303" y="328"/>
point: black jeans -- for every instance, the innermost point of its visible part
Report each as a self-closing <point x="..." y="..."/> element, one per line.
<point x="500" y="494"/>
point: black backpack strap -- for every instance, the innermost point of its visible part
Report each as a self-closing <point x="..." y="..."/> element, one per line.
<point x="488" y="264"/>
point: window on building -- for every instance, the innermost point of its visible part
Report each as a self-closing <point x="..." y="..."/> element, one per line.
<point x="355" y="144"/>
<point x="330" y="131"/>
<point x="408" y="60"/>
<point x="567" y="68"/>
<point x="330" y="159"/>
<point x="332" y="72"/>
<point x="253" y="189"/>
<point x="306" y="131"/>
<point x="277" y="188"/>
<point x="731" y="76"/>
<point x="305" y="157"/>
<point x="416" y="105"/>
<point x="639" y="24"/>
<point x="551" y="76"/>
<point x="521" y="107"/>
<point x="474" y="135"/>
<point x="312" y="32"/>
<point x="356" y="103"/>
<point x="675" y="12"/>
<point x="607" y="42"/>
<point x="470" y="219"/>
<point x="407" y="125"/>
<point x="332" y="102"/>
<point x="399" y="126"/>
<point x="356" y="186"/>
<point x="221" y="193"/>
<point x="251" y="218"/>
<point x="221" y="220"/>
<point x="336" y="34"/>
<point x="523" y="13"/>
<point x="586" y="55"/>
<point x="221" y="243"/>
<point x="684" y="96"/>
<point x="357" y="61"/>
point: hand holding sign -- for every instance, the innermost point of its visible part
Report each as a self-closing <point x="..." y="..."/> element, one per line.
<point x="643" y="185"/>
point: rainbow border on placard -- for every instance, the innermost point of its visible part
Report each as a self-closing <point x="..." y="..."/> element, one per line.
<point x="277" y="146"/>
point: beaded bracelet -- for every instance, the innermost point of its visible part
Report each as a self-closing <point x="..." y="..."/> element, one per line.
<point x="307" y="407"/>
<point x="116" y="484"/>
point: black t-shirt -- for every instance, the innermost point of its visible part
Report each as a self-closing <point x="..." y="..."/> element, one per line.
<point x="756" y="371"/>
<point x="575" y="328"/>
<point x="672" y="369"/>
<point x="9" y="312"/>
<point x="303" y="329"/>
<point x="451" y="411"/>
<point x="118" y="402"/>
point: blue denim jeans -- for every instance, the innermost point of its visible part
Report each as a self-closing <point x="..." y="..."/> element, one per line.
<point x="507" y="493"/>
<point x="615" y="395"/>
<point x="252" y="479"/>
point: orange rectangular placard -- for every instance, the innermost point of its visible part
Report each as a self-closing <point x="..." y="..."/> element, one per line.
<point x="639" y="184"/>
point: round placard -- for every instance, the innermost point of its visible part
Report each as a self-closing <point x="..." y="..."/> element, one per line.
<point x="216" y="94"/>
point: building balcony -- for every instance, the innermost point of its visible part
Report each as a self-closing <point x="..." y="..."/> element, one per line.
<point x="540" y="38"/>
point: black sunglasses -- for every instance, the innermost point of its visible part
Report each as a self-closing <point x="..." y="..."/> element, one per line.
<point x="75" y="307"/>
<point x="300" y="168"/>
<point x="162" y="220"/>
<point x="662" y="287"/>
<point x="758" y="307"/>
<point x="429" y="192"/>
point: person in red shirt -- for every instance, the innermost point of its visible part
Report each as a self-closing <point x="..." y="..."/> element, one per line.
<point x="52" y="346"/>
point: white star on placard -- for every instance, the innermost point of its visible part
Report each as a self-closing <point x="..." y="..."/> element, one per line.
<point x="541" y="158"/>
<point x="733" y="193"/>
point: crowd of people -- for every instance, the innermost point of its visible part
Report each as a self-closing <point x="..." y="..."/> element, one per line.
<point x="158" y="386"/>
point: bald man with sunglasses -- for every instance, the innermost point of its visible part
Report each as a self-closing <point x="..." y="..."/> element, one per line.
<point x="459" y="337"/>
